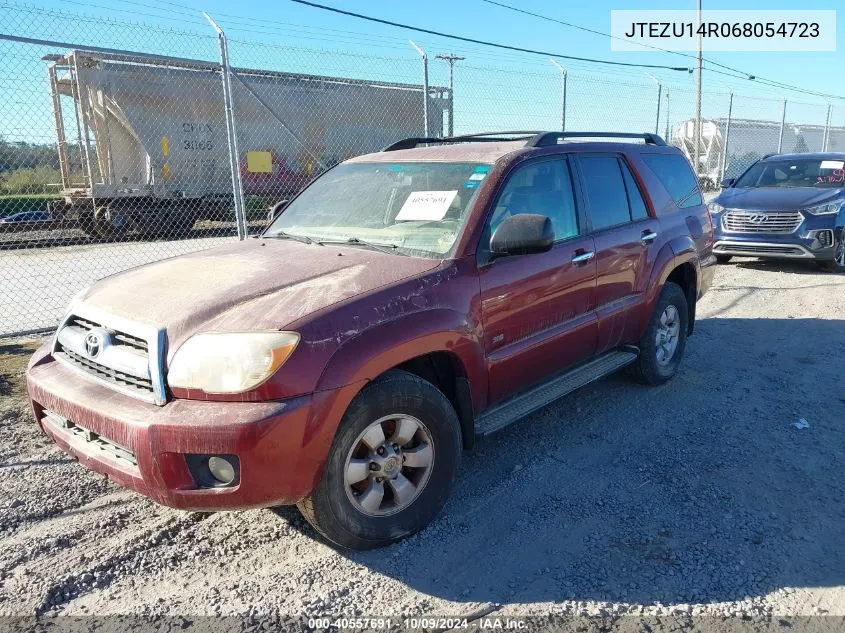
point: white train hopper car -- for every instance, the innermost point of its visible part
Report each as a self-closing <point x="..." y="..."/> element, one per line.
<point x="152" y="134"/>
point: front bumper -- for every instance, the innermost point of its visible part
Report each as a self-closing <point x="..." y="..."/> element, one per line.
<point x="281" y="446"/>
<point x="806" y="242"/>
<point x="779" y="250"/>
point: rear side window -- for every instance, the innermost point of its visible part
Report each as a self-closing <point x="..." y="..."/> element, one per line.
<point x="635" y="197"/>
<point x="675" y="173"/>
<point x="605" y="191"/>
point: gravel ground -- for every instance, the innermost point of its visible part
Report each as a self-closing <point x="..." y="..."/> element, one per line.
<point x="695" y="498"/>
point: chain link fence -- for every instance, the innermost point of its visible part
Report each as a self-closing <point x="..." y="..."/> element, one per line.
<point x="128" y="143"/>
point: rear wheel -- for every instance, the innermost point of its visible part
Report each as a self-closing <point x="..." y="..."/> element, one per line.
<point x="723" y="259"/>
<point x="391" y="465"/>
<point x="662" y="346"/>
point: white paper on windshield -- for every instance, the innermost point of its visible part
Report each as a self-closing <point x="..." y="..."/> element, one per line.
<point x="426" y="205"/>
<point x="833" y="164"/>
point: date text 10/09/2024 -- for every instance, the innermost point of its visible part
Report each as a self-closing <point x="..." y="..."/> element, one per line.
<point x="422" y="623"/>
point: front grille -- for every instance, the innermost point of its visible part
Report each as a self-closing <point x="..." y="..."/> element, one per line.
<point x="94" y="443"/>
<point x="121" y="337"/>
<point x="108" y="373"/>
<point x="763" y="250"/>
<point x="122" y="359"/>
<point x="736" y="221"/>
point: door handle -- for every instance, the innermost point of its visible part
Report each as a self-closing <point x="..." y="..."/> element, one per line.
<point x="582" y="258"/>
<point x="648" y="237"/>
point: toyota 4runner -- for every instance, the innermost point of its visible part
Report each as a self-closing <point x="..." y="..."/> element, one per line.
<point x="401" y="305"/>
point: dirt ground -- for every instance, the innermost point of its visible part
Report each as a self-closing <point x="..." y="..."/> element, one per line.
<point x="700" y="497"/>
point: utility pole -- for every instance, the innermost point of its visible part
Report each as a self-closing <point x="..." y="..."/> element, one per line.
<point x="695" y="163"/>
<point x="451" y="58"/>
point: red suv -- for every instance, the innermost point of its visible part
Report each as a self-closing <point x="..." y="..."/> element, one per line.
<point x="403" y="304"/>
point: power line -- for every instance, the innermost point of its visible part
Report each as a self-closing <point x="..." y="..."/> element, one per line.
<point x="739" y="73"/>
<point x="486" y="43"/>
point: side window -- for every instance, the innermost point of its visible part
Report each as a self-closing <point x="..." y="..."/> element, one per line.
<point x="675" y="173"/>
<point x="605" y="191"/>
<point x="635" y="197"/>
<point x="542" y="187"/>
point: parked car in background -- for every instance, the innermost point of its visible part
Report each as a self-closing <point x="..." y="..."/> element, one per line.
<point x="789" y="206"/>
<point x="26" y="221"/>
<point x="402" y="304"/>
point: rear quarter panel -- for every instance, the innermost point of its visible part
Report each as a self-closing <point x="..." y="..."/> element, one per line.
<point x="685" y="236"/>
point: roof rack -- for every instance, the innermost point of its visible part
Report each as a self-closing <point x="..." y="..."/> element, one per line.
<point x="544" y="139"/>
<point x="535" y="138"/>
<point x="478" y="137"/>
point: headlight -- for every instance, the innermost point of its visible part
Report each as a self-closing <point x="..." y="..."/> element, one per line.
<point x="825" y="209"/>
<point x="715" y="207"/>
<point x="230" y="362"/>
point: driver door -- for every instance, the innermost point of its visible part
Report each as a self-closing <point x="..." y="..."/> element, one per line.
<point x="538" y="311"/>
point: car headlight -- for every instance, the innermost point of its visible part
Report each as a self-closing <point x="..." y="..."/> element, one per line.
<point x="230" y="362"/>
<point x="715" y="207"/>
<point x="826" y="209"/>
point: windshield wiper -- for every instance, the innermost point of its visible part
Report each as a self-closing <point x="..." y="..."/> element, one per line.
<point x="356" y="241"/>
<point x="289" y="236"/>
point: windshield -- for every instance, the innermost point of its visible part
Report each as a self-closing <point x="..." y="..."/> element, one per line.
<point x="798" y="172"/>
<point x="414" y="208"/>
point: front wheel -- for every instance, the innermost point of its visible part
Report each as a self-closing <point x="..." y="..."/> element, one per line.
<point x="391" y="465"/>
<point x="662" y="346"/>
<point x="837" y="264"/>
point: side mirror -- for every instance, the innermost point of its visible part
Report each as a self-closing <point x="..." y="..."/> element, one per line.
<point x="523" y="234"/>
<point x="727" y="182"/>
<point x="276" y="210"/>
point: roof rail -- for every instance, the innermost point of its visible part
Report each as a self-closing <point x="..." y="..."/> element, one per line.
<point x="535" y="138"/>
<point x="544" y="139"/>
<point x="478" y="137"/>
<point x="408" y="143"/>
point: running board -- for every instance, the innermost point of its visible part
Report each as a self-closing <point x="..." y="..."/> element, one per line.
<point x="501" y="415"/>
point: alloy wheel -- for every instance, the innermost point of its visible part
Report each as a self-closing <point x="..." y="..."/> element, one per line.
<point x="388" y="465"/>
<point x="667" y="335"/>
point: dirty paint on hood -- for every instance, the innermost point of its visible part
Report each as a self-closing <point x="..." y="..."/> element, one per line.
<point x="255" y="284"/>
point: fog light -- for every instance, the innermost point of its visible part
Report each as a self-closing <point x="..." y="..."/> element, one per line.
<point x="222" y="470"/>
<point x="825" y="238"/>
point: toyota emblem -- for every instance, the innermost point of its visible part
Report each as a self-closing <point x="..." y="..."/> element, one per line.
<point x="758" y="218"/>
<point x="93" y="344"/>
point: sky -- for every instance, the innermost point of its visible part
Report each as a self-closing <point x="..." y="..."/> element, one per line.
<point x="286" y="22"/>
<point x="492" y="86"/>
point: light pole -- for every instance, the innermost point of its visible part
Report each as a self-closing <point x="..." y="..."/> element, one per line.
<point x="659" y="95"/>
<point x="563" y="75"/>
<point x="698" y="98"/>
<point x="424" y="58"/>
<point x="451" y="58"/>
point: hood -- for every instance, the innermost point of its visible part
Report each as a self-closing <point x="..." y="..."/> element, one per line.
<point x="776" y="198"/>
<point x="255" y="284"/>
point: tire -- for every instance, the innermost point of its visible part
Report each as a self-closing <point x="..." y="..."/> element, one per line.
<point x="650" y="368"/>
<point x="110" y="224"/>
<point x="836" y="265"/>
<point x="723" y="259"/>
<point x="336" y="507"/>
